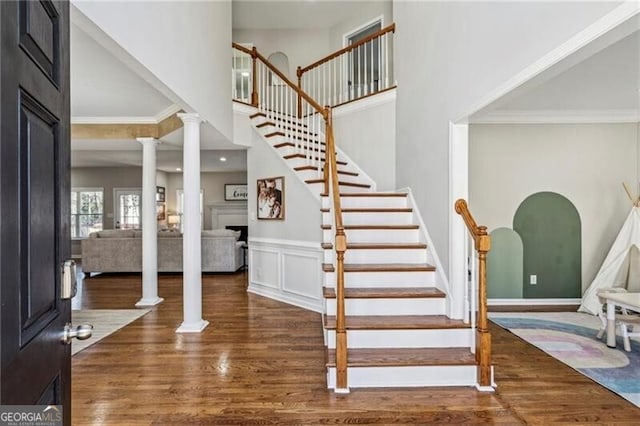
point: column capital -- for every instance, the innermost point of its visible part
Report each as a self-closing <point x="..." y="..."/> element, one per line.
<point x="149" y="140"/>
<point x="190" y="117"/>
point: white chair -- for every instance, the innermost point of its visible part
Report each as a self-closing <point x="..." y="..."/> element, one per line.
<point x="625" y="320"/>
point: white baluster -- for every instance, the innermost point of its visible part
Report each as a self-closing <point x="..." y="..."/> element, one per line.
<point x="386" y="61"/>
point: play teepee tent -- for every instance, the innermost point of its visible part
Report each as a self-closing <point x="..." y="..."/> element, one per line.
<point x="621" y="267"/>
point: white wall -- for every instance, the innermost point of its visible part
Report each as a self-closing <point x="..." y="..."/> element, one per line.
<point x="586" y="163"/>
<point x="370" y="10"/>
<point x="365" y="131"/>
<point x="184" y="44"/>
<point x="285" y="258"/>
<point x="448" y="56"/>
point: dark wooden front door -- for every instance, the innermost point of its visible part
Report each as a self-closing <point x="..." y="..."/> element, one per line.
<point x="34" y="202"/>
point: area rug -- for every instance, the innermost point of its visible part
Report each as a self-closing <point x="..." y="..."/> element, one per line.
<point x="105" y="322"/>
<point x="571" y="338"/>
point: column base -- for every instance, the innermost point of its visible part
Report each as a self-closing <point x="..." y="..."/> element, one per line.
<point x="193" y="327"/>
<point x="143" y="303"/>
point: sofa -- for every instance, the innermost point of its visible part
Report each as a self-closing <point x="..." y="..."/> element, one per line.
<point x="119" y="250"/>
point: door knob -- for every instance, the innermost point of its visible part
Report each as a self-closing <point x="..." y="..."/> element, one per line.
<point x="80" y="332"/>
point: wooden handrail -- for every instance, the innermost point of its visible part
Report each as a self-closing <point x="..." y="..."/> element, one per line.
<point x="391" y="28"/>
<point x="330" y="181"/>
<point x="331" y="172"/>
<point x="482" y="243"/>
<point x="284" y="78"/>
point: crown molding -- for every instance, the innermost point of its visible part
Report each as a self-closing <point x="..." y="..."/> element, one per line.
<point x="560" y="117"/>
<point x="156" y="119"/>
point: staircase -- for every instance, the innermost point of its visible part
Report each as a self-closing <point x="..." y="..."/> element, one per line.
<point x="398" y="333"/>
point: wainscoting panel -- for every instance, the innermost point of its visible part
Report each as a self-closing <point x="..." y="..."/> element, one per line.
<point x="288" y="271"/>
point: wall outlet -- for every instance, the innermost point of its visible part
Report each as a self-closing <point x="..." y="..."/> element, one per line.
<point x="533" y="279"/>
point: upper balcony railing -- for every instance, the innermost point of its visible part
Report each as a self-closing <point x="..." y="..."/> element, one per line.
<point x="356" y="71"/>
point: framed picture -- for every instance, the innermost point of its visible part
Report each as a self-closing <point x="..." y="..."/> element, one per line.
<point x="236" y="192"/>
<point x="160" y="211"/>
<point x="160" y="194"/>
<point x="270" y="195"/>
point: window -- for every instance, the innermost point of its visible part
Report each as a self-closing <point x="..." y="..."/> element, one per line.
<point x="180" y="197"/>
<point x="86" y="211"/>
<point x="364" y="61"/>
<point x="128" y="207"/>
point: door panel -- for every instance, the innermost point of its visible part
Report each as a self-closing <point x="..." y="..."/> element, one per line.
<point x="35" y="367"/>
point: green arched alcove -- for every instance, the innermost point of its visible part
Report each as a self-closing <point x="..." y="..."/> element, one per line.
<point x="550" y="228"/>
<point x="504" y="265"/>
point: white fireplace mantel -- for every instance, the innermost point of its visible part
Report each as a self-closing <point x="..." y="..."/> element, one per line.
<point x="228" y="213"/>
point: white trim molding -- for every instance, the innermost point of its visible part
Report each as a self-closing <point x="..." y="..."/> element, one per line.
<point x="365" y="103"/>
<point x="156" y="119"/>
<point x="288" y="271"/>
<point x="559" y="116"/>
<point x="534" y="302"/>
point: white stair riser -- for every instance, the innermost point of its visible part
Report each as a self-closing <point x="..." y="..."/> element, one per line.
<point x="297" y="162"/>
<point x="411" y="376"/>
<point x="358" y="218"/>
<point x="374" y="256"/>
<point x="425" y="306"/>
<point x="288" y="150"/>
<point x="368" y="202"/>
<point x="375" y="235"/>
<point x="343" y="189"/>
<point x="437" y="338"/>
<point x="383" y="279"/>
<point x="314" y="174"/>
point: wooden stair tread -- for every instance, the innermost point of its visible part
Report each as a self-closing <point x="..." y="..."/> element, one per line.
<point x="298" y="155"/>
<point x="381" y="267"/>
<point x="369" y="194"/>
<point x="378" y="246"/>
<point x="385" y="293"/>
<point x="291" y="144"/>
<point x="287" y="127"/>
<point x="354" y="184"/>
<point x="371" y="210"/>
<point x="401" y="357"/>
<point x="396" y="322"/>
<point x="314" y="168"/>
<point x="272" y="134"/>
<point x="262" y="114"/>
<point x="377" y="227"/>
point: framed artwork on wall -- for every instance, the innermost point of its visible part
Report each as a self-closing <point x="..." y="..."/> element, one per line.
<point x="160" y="194"/>
<point x="160" y="211"/>
<point x="270" y="196"/>
<point x="236" y="192"/>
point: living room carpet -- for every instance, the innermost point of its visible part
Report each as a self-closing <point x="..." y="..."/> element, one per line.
<point x="105" y="322"/>
<point x="571" y="338"/>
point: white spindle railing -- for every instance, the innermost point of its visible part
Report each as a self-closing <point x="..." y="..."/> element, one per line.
<point x="300" y="121"/>
<point x="358" y="70"/>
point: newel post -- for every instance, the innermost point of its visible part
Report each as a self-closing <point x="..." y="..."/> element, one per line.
<point x="483" y="337"/>
<point x="341" y="332"/>
<point x="254" y="80"/>
<point x="299" y="74"/>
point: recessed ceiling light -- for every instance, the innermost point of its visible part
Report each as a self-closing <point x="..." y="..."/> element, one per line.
<point x="223" y="159"/>
<point x="178" y="169"/>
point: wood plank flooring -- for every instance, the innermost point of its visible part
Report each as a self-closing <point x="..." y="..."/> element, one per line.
<point x="261" y="362"/>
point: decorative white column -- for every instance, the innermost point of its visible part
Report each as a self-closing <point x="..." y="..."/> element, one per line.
<point x="191" y="242"/>
<point x="149" y="225"/>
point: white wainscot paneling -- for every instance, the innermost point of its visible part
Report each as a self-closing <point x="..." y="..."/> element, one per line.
<point x="302" y="274"/>
<point x="265" y="267"/>
<point x="288" y="271"/>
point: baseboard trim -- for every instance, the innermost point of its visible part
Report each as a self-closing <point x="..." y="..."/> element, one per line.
<point x="511" y="302"/>
<point x="289" y="298"/>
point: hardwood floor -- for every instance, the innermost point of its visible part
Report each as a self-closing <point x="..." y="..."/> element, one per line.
<point x="261" y="362"/>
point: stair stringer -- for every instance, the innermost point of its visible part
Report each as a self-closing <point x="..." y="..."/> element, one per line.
<point x="441" y="281"/>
